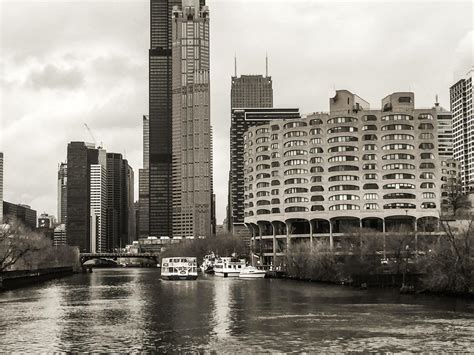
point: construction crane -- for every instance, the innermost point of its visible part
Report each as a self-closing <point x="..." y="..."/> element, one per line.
<point x="92" y="135"/>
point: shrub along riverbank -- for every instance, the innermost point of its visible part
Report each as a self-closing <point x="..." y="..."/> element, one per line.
<point x="445" y="263"/>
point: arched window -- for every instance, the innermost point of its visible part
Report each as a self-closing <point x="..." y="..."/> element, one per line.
<point x="398" y="176"/>
<point x="426" y="146"/>
<point x="317" y="208"/>
<point x="397" y="118"/>
<point x="316" y="169"/>
<point x="398" y="146"/>
<point x="294" y="124"/>
<point x="425" y="116"/>
<point x="315" y="131"/>
<point x="371" y="206"/>
<point x="296" y="209"/>
<point x="369" y="127"/>
<point x="295" y="199"/>
<point x="425" y="126"/>
<point x="398" y="156"/>
<point x="344" y="178"/>
<point x="343" y="168"/>
<point x="295" y="143"/>
<point x="399" y="205"/>
<point x="343" y="148"/>
<point x="342" y="139"/>
<point x="343" y="207"/>
<point x="369" y="147"/>
<point x="397" y="127"/>
<point x="296" y="162"/>
<point x="342" y="129"/>
<point x="344" y="188"/>
<point x="295" y="134"/>
<point x="342" y="120"/>
<point x="393" y="137"/>
<point x="295" y="152"/>
<point x="262" y="211"/>
<point x="317" y="188"/>
<point x="399" y="195"/>
<point x="296" y="181"/>
<point x="398" y="186"/>
<point x="398" y="166"/>
<point x="344" y="197"/>
<point x="315" y="121"/>
<point x="369" y="137"/>
<point x="428" y="205"/>
<point x="340" y="158"/>
<point x="296" y="190"/>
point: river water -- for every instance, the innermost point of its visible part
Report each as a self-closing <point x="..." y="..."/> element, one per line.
<point x="133" y="310"/>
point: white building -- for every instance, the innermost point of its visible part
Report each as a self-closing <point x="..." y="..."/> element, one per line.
<point x="98" y="203"/>
<point x="463" y="128"/>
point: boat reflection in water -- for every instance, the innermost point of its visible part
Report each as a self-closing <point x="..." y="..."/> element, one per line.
<point x="179" y="268"/>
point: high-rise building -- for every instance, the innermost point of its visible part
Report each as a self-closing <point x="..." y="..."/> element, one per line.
<point x="445" y="132"/>
<point x="463" y="128"/>
<point x="160" y="72"/>
<point x="20" y="212"/>
<point x="143" y="219"/>
<point x="46" y="224"/>
<point x="241" y="120"/>
<point x="191" y="129"/>
<point x="120" y="214"/>
<point x="247" y="91"/>
<point x="128" y="228"/>
<point x="59" y="236"/>
<point x="98" y="203"/>
<point x="1" y="187"/>
<point x="80" y="157"/>
<point x="335" y="172"/>
<point x="62" y="193"/>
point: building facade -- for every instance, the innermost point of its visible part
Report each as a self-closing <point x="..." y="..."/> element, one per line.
<point x="191" y="128"/>
<point x="241" y="121"/>
<point x="143" y="214"/>
<point x="247" y="91"/>
<point x="463" y="128"/>
<point x="353" y="167"/>
<point x="80" y="157"/>
<point x="1" y="187"/>
<point x="62" y="193"/>
<point x="59" y="236"/>
<point x="445" y="132"/>
<point x="98" y="205"/>
<point x="160" y="88"/>
<point x="19" y="212"/>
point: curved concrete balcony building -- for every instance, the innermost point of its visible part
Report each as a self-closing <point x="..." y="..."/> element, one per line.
<point x="326" y="174"/>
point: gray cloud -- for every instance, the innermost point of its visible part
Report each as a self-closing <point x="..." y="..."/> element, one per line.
<point x="53" y="77"/>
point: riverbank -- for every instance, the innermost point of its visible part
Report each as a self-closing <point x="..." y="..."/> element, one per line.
<point x="20" y="278"/>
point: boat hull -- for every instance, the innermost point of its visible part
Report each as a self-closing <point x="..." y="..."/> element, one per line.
<point x="178" y="277"/>
<point x="256" y="275"/>
<point x="227" y="273"/>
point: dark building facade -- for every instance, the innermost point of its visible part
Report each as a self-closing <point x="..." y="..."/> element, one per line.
<point x="160" y="115"/>
<point x="62" y="193"/>
<point x="160" y="90"/>
<point x="242" y="119"/>
<point x="22" y="213"/>
<point x="143" y="208"/>
<point x="120" y="214"/>
<point x="80" y="156"/>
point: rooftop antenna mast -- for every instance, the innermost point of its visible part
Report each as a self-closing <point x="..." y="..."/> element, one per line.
<point x="235" y="64"/>
<point x="266" y="65"/>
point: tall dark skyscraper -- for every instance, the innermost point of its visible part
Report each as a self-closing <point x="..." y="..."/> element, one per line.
<point x="160" y="72"/>
<point x="80" y="157"/>
<point x="120" y="213"/>
<point x="62" y="193"/>
<point x="160" y="114"/>
<point x="143" y="214"/>
<point x="247" y="91"/>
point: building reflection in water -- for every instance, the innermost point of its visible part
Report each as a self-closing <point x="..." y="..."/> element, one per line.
<point x="221" y="315"/>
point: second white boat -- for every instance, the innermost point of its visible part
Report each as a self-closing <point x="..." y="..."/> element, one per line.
<point x="228" y="267"/>
<point x="251" y="272"/>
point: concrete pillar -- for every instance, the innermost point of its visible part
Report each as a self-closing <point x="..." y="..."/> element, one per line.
<point x="311" y="234"/>
<point x="288" y="226"/>
<point x="274" y="246"/>
<point x="384" y="239"/>
<point x="331" y="240"/>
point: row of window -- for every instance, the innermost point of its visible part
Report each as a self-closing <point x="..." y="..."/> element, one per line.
<point x="345" y="207"/>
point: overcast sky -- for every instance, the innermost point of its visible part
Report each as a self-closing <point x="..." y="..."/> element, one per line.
<point x="66" y="63"/>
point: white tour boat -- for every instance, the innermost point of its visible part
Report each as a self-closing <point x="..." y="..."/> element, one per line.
<point x="251" y="272"/>
<point x="228" y="267"/>
<point x="179" y="268"/>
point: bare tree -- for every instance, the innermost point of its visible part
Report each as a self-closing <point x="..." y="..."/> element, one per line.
<point x="456" y="199"/>
<point x="17" y="242"/>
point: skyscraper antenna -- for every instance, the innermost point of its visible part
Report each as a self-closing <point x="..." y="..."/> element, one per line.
<point x="436" y="103"/>
<point x="266" y="64"/>
<point x="235" y="64"/>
